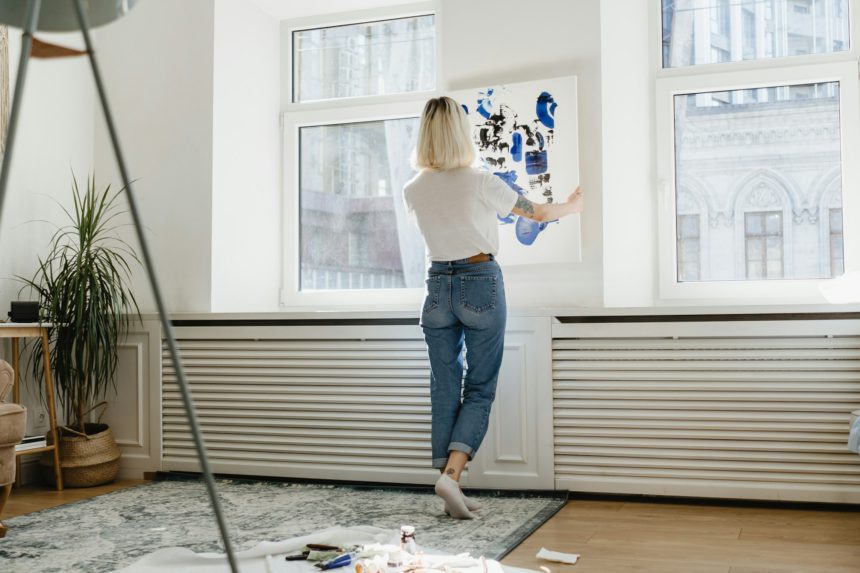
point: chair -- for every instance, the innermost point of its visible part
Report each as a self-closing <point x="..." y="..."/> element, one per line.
<point x="12" y="423"/>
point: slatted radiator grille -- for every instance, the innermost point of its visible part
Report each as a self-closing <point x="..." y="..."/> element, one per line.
<point x="336" y="409"/>
<point x="758" y="417"/>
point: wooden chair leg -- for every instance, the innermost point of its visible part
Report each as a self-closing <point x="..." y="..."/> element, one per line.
<point x="4" y="495"/>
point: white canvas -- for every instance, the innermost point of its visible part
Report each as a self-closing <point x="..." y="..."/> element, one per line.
<point x="517" y="127"/>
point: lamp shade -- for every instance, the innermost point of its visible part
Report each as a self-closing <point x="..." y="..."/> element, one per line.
<point x="60" y="15"/>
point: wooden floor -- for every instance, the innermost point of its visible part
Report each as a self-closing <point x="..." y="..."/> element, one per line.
<point x="35" y="497"/>
<point x="626" y="537"/>
<point x="618" y="536"/>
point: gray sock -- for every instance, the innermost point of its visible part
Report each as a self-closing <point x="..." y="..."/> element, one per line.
<point x="455" y="505"/>
<point x="471" y="504"/>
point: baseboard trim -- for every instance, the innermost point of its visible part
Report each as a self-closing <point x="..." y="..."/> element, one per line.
<point x="712" y="501"/>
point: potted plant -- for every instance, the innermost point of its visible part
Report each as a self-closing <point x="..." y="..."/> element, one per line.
<point x="83" y="285"/>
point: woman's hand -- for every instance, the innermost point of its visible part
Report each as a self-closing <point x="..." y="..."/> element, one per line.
<point x="575" y="200"/>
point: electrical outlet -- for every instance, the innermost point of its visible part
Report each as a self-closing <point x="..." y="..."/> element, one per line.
<point x="40" y="419"/>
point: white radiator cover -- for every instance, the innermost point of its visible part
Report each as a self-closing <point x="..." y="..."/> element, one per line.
<point x="347" y="403"/>
<point x="715" y="409"/>
<point x="727" y="409"/>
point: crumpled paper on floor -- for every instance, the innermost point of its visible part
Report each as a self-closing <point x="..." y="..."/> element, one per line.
<point x="558" y="557"/>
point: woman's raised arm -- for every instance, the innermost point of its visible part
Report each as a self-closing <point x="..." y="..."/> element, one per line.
<point x="541" y="212"/>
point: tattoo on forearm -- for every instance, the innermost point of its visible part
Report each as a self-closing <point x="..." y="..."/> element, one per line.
<point x="450" y="471"/>
<point x="525" y="206"/>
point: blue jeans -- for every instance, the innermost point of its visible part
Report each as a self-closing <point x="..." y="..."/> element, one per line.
<point x="464" y="307"/>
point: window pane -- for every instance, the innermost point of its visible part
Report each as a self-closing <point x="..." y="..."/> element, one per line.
<point x="688" y="247"/>
<point x="715" y="31"/>
<point x="837" y="256"/>
<point x="753" y="224"/>
<point x="754" y="270"/>
<point x="688" y="226"/>
<point x="755" y="252"/>
<point x="760" y="168"/>
<point x="836" y="221"/>
<point x="354" y="233"/>
<point x="372" y="58"/>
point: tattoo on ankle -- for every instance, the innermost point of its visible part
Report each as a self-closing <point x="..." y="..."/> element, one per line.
<point x="450" y="471"/>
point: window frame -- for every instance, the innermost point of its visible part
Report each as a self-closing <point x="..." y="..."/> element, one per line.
<point x="291" y="293"/>
<point x="352" y="18"/>
<point x="790" y="70"/>
<point x="339" y="111"/>
<point x="338" y="23"/>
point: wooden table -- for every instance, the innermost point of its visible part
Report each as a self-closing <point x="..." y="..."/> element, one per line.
<point x="16" y="331"/>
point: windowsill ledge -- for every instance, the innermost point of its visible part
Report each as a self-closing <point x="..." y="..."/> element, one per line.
<point x="808" y="311"/>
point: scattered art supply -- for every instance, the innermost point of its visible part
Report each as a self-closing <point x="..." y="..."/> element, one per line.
<point x="407" y="539"/>
<point x="526" y="134"/>
<point x="558" y="557"/>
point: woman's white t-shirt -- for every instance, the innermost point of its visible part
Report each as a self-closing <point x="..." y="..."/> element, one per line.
<point x="456" y="211"/>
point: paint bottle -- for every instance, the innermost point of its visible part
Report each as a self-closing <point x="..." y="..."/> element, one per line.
<point x="395" y="560"/>
<point x="407" y="539"/>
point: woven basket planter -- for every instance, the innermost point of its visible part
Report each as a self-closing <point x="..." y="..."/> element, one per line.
<point x="86" y="461"/>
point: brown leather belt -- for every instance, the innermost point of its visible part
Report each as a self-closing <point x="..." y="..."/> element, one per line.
<point x="479" y="258"/>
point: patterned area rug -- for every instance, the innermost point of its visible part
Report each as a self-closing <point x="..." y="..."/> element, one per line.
<point x="112" y="531"/>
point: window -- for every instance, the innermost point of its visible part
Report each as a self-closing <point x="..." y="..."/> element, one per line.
<point x="754" y="155"/>
<point x="786" y="28"/>
<point x="366" y="59"/>
<point x="837" y="256"/>
<point x="689" y="246"/>
<point x="757" y="138"/>
<point x="763" y="245"/>
<point x="357" y="91"/>
<point x="720" y="18"/>
<point x="348" y="235"/>
<point x="749" y="34"/>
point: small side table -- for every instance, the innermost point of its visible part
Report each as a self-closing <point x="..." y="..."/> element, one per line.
<point x="16" y="331"/>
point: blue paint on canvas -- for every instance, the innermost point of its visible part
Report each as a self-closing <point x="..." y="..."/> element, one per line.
<point x="545" y="109"/>
<point x="527" y="230"/>
<point x="485" y="104"/>
<point x="517" y="146"/>
<point x="506" y="137"/>
<point x="536" y="162"/>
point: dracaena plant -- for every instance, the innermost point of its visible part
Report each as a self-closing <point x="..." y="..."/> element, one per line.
<point x="83" y="285"/>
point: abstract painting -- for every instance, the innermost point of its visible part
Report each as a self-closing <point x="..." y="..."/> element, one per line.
<point x="526" y="134"/>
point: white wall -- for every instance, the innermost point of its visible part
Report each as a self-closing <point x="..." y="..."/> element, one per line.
<point x="629" y="194"/>
<point x="506" y="41"/>
<point x="55" y="137"/>
<point x="246" y="159"/>
<point x="158" y="68"/>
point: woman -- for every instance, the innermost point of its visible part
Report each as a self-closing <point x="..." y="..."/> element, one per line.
<point x="456" y="208"/>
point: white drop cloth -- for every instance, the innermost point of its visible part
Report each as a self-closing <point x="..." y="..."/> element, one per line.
<point x="181" y="560"/>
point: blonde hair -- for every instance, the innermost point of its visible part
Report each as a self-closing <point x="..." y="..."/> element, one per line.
<point x="444" y="137"/>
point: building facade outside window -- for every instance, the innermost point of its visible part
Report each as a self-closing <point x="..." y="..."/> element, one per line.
<point x="760" y="134"/>
<point x="837" y="256"/>
<point x="763" y="244"/>
<point x="689" y="247"/>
